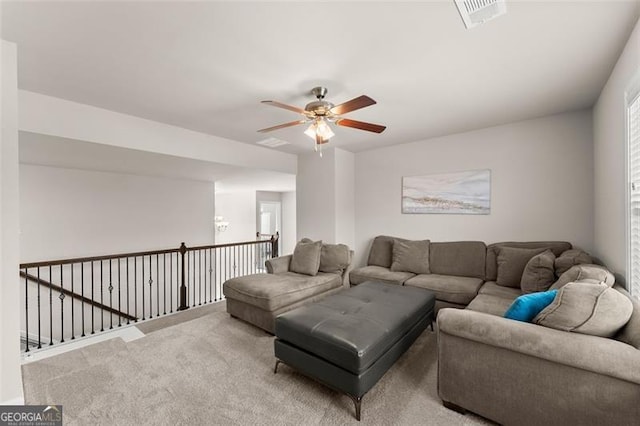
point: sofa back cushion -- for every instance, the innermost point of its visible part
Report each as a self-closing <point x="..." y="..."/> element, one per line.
<point x="587" y="308"/>
<point x="381" y="252"/>
<point x="491" y="268"/>
<point x="511" y="264"/>
<point x="334" y="258"/>
<point x="630" y="333"/>
<point x="585" y="272"/>
<point x="411" y="256"/>
<point x="459" y="258"/>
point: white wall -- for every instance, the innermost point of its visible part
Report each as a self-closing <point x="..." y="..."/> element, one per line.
<point x="325" y="196"/>
<point x="239" y="209"/>
<point x="541" y="184"/>
<point x="345" y="202"/>
<point x="609" y="123"/>
<point x="288" y="237"/>
<point x="10" y="377"/>
<point x="58" y="117"/>
<point x="315" y="196"/>
<point x="70" y="212"/>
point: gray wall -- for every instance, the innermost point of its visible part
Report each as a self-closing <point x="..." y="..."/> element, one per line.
<point x="542" y="184"/>
<point x="610" y="153"/>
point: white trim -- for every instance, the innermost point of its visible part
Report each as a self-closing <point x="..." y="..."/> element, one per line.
<point x="15" y="401"/>
<point x="127" y="333"/>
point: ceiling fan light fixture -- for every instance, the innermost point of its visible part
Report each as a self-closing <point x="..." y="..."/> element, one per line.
<point x="319" y="128"/>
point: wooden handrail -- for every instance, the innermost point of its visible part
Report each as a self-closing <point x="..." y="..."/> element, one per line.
<point x="134" y="254"/>
<point x="66" y="292"/>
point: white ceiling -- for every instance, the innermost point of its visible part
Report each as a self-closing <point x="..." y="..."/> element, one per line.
<point x="206" y="65"/>
<point x="54" y="151"/>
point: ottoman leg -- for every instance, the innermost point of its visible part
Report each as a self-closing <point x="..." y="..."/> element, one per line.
<point x="275" y="369"/>
<point x="357" y="401"/>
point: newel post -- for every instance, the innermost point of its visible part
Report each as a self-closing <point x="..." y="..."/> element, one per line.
<point x="183" y="287"/>
<point x="274" y="244"/>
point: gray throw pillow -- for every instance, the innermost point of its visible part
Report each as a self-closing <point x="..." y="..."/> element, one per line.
<point x="539" y="273"/>
<point x="334" y="258"/>
<point x="587" y="308"/>
<point x="411" y="256"/>
<point x="511" y="264"/>
<point x="306" y="258"/>
<point x="585" y="272"/>
<point x="570" y="258"/>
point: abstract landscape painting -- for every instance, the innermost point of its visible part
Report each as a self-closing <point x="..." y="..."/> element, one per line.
<point x="450" y="193"/>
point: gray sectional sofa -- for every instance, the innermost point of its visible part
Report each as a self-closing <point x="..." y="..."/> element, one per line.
<point x="516" y="372"/>
<point x="460" y="272"/>
<point x="259" y="298"/>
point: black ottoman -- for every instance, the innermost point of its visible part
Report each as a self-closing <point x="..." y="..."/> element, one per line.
<point x="350" y="339"/>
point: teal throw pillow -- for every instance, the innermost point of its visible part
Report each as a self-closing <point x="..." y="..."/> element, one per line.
<point x="526" y="307"/>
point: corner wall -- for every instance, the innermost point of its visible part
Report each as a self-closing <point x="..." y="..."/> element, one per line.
<point x="541" y="184"/>
<point x="610" y="183"/>
<point x="10" y="375"/>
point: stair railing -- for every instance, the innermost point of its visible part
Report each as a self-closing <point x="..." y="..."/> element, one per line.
<point x="101" y="293"/>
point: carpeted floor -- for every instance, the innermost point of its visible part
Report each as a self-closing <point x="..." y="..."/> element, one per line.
<point x="217" y="370"/>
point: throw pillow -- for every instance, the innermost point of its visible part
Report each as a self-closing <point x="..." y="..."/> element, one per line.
<point x="585" y="272"/>
<point x="411" y="256"/>
<point x="526" y="307"/>
<point x="306" y="258"/>
<point x="539" y="273"/>
<point x="587" y="308"/>
<point x="511" y="264"/>
<point x="334" y="258"/>
<point x="570" y="258"/>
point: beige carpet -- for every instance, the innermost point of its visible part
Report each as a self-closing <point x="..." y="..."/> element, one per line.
<point x="218" y="370"/>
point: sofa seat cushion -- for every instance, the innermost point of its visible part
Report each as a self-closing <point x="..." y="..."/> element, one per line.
<point x="274" y="291"/>
<point x="449" y="288"/>
<point x="490" y="304"/>
<point x="378" y="273"/>
<point x="491" y="288"/>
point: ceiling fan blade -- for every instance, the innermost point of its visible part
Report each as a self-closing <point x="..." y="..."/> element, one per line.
<point x="352" y="105"/>
<point x="370" y="127"/>
<point x="285" y="106"/>
<point x="282" y="126"/>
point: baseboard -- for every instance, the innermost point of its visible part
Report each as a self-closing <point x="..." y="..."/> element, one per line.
<point x="15" y="401"/>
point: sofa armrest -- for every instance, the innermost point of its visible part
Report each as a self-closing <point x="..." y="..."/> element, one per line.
<point x="345" y="273"/>
<point x="591" y="353"/>
<point x="278" y="265"/>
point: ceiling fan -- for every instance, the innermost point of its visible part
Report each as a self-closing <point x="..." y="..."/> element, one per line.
<point x="320" y="112"/>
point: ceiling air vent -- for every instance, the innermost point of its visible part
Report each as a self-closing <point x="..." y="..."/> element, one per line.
<point x="476" y="12"/>
<point x="272" y="142"/>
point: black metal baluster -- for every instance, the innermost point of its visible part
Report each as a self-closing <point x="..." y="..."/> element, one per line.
<point x="215" y="275"/>
<point x="150" y="288"/>
<point x="188" y="257"/>
<point x="101" y="298"/>
<point x="135" y="287"/>
<point x="110" y="296"/>
<point x="164" y="282"/>
<point x="119" y="296"/>
<point x="210" y="276"/>
<point x="61" y="297"/>
<point x="73" y="302"/>
<point x="204" y="271"/>
<point x="199" y="276"/>
<point x="26" y="307"/>
<point x="157" y="286"/>
<point x="143" y="314"/>
<point x="50" y="308"/>
<point x="128" y="307"/>
<point x="171" y="281"/>
<point x="39" y="309"/>
<point x="92" y="298"/>
<point x="82" y="294"/>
